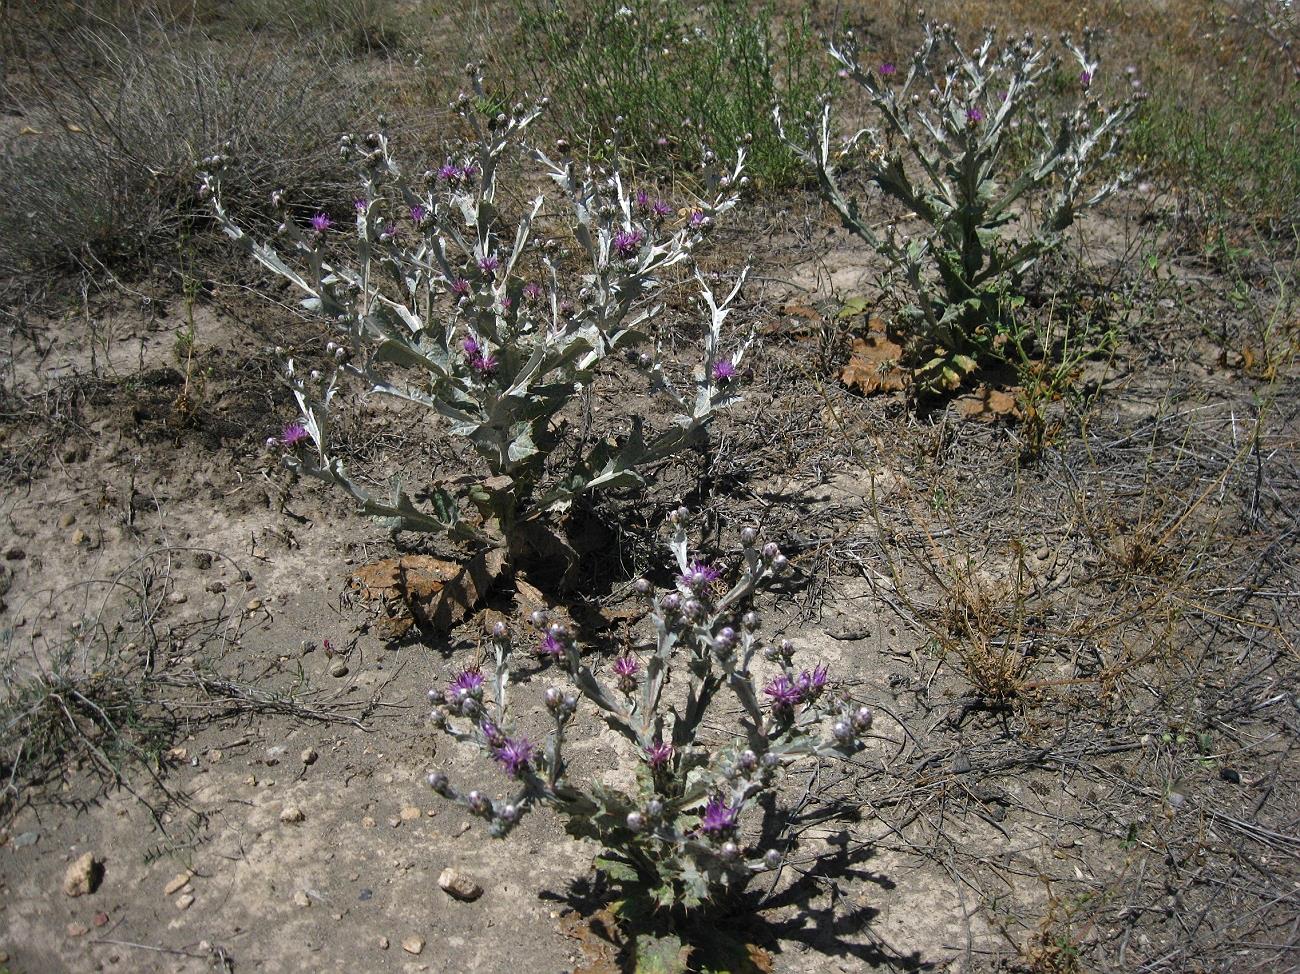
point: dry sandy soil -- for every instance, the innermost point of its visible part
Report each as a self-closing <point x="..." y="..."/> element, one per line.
<point x="1083" y="664"/>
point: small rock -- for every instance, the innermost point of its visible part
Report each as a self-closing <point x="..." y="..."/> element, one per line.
<point x="83" y="876"/>
<point x="338" y="668"/>
<point x="274" y="754"/>
<point x="410" y="813"/>
<point x="459" y="886"/>
<point x="413" y="945"/>
<point x="177" y="883"/>
<point x="394" y="822"/>
<point x="309" y="756"/>
<point x="185" y="901"/>
<point x="301" y="898"/>
<point x="79" y="537"/>
<point x="14" y="553"/>
<point x="367" y="822"/>
<point x="202" y="560"/>
<point x="101" y="920"/>
<point x="77" y="929"/>
<point x="292" y="815"/>
<point x="216" y="587"/>
<point x="254" y="605"/>
<point x="23" y="839"/>
<point x="178" y="598"/>
<point x="178" y="754"/>
<point x="383" y="943"/>
<point x="67" y="521"/>
<point x="365" y="895"/>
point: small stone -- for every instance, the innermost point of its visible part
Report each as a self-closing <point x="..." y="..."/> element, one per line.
<point x="83" y="876"/>
<point x="77" y="929"/>
<point x="394" y="822"/>
<point x="202" y="560"/>
<point x="413" y="945"/>
<point x="14" y="553"/>
<point x="301" y="898"/>
<point x="79" y="537"/>
<point x="383" y="943"/>
<point x="254" y="605"/>
<point x="178" y="598"/>
<point x="101" y="920"/>
<point x="178" y="754"/>
<point x="292" y="815"/>
<point x="338" y="668"/>
<point x="410" y="813"/>
<point x="216" y="587"/>
<point x="185" y="901"/>
<point x="459" y="886"/>
<point x="274" y="754"/>
<point x="23" y="839"/>
<point x="177" y="883"/>
<point x="67" y="521"/>
<point x="309" y="756"/>
<point x="367" y="822"/>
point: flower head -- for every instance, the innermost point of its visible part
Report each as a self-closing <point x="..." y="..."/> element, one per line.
<point x="489" y="264"/>
<point x="460" y="287"/>
<point x="533" y="291"/>
<point x="468" y="683"/>
<point x="783" y="694"/>
<point x="812" y="682"/>
<point x="471" y="348"/>
<point x="1085" y="78"/>
<point x="418" y="213"/>
<point x="515" y="754"/>
<point x="642" y="199"/>
<point x="697" y="220"/>
<point x="294" y="434"/>
<point x="658" y="754"/>
<point x="974" y="115"/>
<point x="628" y="242"/>
<point x="451" y="174"/>
<point x="724" y="370"/>
<point x="359" y="205"/>
<point x="484" y="364"/>
<point x="491" y="732"/>
<point x="888" y="68"/>
<point x="321" y="222"/>
<point x="661" y="209"/>
<point x="627" y="668"/>
<point x="719" y="818"/>
<point x="552" y="646"/>
<point x="698" y="576"/>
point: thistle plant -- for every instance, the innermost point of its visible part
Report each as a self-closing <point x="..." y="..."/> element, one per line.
<point x="967" y="144"/>
<point x="702" y="816"/>
<point x="449" y="304"/>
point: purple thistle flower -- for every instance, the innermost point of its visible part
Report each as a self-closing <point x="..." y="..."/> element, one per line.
<point x="552" y="646"/>
<point x="484" y="364"/>
<point x="293" y="434"/>
<point x="719" y="818"/>
<point x="628" y="242"/>
<point x="658" y="754"/>
<point x="515" y="755"/>
<point x="451" y="174"/>
<point x="724" y="370"/>
<point x="888" y="68"/>
<point x="471" y="348"/>
<point x="418" y="213"/>
<point x="492" y="732"/>
<point x="699" y="575"/>
<point x="359" y="205"/>
<point x="1085" y="78"/>
<point x="489" y="264"/>
<point x="460" y="287"/>
<point x="533" y="291"/>
<point x="626" y="668"/>
<point x="506" y="303"/>
<point x="468" y="683"/>
<point x="661" y="209"/>
<point x="389" y="232"/>
<point x="784" y="694"/>
<point x="974" y="115"/>
<point x="811" y="683"/>
<point x="321" y="222"/>
<point x="470" y="172"/>
<point x="642" y="199"/>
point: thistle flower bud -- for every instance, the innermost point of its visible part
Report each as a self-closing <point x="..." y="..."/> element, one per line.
<point x="642" y="586"/>
<point x="750" y="621"/>
<point x="539" y="618"/>
<point x="635" y="821"/>
<point x="729" y="851"/>
<point x="780" y="562"/>
<point x="671" y="602"/>
<point x="772" y="858"/>
<point x="748" y="536"/>
<point x="499" y="629"/>
<point x="725" y="639"/>
<point x="770" y="760"/>
<point x="770" y="550"/>
<point x="862" y="718"/>
<point x="438" y="716"/>
<point x="570" y="702"/>
<point x="842" y="732"/>
<point x="692" y="609"/>
<point x="510" y="812"/>
<point x="438" y="782"/>
<point x="553" y="698"/>
<point x="748" y="760"/>
<point x="478" y="803"/>
<point x="654" y="808"/>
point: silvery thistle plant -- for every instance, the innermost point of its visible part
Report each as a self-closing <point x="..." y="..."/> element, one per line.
<point x="437" y="308"/>
<point x="948" y="121"/>
<point x="680" y="836"/>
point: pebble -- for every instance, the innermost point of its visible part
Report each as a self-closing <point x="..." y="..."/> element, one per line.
<point x="82" y="876"/>
<point x="216" y="587"/>
<point x="177" y="883"/>
<point x="254" y="605"/>
<point x="79" y="537"/>
<point x="301" y="898"/>
<point x="178" y="598"/>
<point x="203" y="560"/>
<point x="309" y="756"/>
<point x="185" y="901"/>
<point x="367" y="822"/>
<point x="394" y="822"/>
<point x="338" y="668"/>
<point x="413" y="945"/>
<point x="383" y="943"/>
<point x="14" y="553"/>
<point x="457" y="885"/>
<point x="67" y="521"/>
<point x="77" y="929"/>
<point x="292" y="815"/>
<point x="410" y="813"/>
<point x="100" y="920"/>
